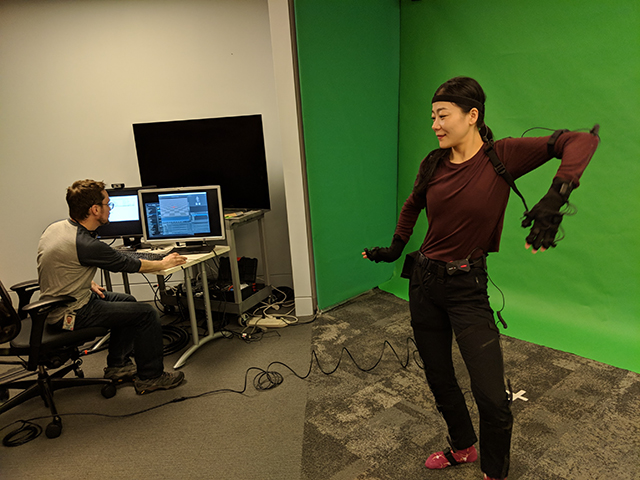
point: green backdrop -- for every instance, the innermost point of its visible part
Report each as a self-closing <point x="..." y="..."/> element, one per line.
<point x="349" y="74"/>
<point x="549" y="64"/>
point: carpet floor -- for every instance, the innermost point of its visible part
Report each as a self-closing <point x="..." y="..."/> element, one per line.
<point x="575" y="419"/>
<point x="363" y="412"/>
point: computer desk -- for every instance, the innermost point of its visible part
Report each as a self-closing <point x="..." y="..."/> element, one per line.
<point x="193" y="260"/>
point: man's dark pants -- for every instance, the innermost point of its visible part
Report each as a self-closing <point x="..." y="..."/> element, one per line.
<point x="134" y="327"/>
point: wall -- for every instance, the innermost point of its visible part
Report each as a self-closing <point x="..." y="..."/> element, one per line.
<point x="74" y="77"/>
<point x="349" y="72"/>
<point x="556" y="65"/>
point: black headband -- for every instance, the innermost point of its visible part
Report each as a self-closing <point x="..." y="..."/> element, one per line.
<point x="469" y="102"/>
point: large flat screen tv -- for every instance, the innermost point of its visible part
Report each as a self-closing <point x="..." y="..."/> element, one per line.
<point x="225" y="151"/>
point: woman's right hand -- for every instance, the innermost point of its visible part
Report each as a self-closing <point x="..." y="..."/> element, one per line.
<point x="388" y="254"/>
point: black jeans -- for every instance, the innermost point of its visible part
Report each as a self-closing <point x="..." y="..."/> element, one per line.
<point x="134" y="327"/>
<point x="442" y="305"/>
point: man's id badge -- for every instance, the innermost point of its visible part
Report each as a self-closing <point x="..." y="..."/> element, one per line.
<point x="69" y="321"/>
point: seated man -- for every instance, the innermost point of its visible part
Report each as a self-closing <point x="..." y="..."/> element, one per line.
<point x="68" y="257"/>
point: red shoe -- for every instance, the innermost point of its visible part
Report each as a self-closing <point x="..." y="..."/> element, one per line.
<point x="448" y="458"/>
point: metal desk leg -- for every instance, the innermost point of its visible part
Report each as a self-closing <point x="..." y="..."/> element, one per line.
<point x="233" y="265"/>
<point x="197" y="341"/>
<point x="263" y="248"/>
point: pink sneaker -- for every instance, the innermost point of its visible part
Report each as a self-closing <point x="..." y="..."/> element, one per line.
<point x="448" y="458"/>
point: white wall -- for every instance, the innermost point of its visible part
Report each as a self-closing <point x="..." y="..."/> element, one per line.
<point x="76" y="74"/>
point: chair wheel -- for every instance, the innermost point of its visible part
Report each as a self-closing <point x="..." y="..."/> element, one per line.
<point x="53" y="430"/>
<point x="109" y="390"/>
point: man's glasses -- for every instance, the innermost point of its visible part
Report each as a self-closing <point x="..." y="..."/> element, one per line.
<point x="111" y="205"/>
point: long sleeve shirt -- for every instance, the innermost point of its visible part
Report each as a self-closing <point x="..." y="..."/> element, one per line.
<point x="465" y="203"/>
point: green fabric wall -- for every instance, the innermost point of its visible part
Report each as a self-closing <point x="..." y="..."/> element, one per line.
<point x="557" y="65"/>
<point x="349" y="75"/>
<point x="548" y="64"/>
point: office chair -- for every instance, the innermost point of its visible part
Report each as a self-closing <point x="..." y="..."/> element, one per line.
<point x="46" y="350"/>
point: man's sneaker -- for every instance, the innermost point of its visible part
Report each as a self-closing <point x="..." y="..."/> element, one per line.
<point x="449" y="458"/>
<point x="126" y="373"/>
<point x="163" y="382"/>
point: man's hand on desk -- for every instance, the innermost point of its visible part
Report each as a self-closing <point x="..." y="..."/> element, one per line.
<point x="171" y="260"/>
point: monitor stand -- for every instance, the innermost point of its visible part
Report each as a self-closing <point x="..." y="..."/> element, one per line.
<point x="133" y="242"/>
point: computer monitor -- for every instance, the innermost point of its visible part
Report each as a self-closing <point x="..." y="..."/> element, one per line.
<point x="181" y="215"/>
<point x="225" y="151"/>
<point x="124" y="217"/>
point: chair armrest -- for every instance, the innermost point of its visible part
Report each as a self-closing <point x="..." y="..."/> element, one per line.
<point x="45" y="304"/>
<point x="24" y="285"/>
<point x="25" y="291"/>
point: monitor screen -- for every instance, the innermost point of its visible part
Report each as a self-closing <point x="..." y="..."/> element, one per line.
<point x="181" y="215"/>
<point x="124" y="217"/>
<point x="225" y="151"/>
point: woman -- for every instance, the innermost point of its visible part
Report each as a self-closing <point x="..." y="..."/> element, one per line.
<point x="465" y="201"/>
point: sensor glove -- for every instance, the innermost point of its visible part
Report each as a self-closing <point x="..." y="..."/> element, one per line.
<point x="545" y="215"/>
<point x="387" y="254"/>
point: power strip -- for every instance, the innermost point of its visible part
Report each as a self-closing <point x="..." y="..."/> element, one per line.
<point x="267" y="322"/>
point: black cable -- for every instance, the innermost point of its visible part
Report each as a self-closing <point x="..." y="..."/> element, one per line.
<point x="314" y="355"/>
<point x="553" y="130"/>
<point x="174" y="339"/>
<point x="21" y="435"/>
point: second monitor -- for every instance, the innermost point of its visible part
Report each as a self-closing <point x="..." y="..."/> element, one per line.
<point x="189" y="215"/>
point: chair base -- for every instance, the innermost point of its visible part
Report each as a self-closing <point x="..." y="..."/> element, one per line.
<point x="45" y="385"/>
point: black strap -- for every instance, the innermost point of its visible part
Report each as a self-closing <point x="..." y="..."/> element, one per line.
<point x="502" y="171"/>
<point x="551" y="144"/>
<point x="449" y="456"/>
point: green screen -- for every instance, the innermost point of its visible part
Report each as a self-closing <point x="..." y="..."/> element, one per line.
<point x="349" y="75"/>
<point x="368" y="70"/>
<point x="557" y="65"/>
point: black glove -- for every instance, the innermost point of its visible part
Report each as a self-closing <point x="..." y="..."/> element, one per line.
<point x="388" y="254"/>
<point x="546" y="216"/>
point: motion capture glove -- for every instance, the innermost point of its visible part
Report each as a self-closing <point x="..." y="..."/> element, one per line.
<point x="546" y="216"/>
<point x="388" y="254"/>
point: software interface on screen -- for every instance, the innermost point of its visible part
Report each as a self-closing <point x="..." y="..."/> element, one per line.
<point x="125" y="208"/>
<point x="178" y="215"/>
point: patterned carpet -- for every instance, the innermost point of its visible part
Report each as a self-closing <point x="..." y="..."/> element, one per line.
<point x="574" y="418"/>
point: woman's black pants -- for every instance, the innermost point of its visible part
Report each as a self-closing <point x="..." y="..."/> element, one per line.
<point x="442" y="305"/>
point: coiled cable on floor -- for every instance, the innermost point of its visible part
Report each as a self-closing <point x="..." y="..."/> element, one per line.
<point x="174" y="339"/>
<point x="21" y="435"/>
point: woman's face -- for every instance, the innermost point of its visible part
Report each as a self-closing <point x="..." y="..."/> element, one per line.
<point x="451" y="125"/>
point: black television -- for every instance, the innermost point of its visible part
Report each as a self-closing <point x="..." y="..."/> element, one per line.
<point x="225" y="151"/>
<point x="124" y="217"/>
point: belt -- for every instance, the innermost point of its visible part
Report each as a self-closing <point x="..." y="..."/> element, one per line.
<point x="455" y="267"/>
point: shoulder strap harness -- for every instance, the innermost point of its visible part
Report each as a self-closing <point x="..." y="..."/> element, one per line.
<point x="500" y="169"/>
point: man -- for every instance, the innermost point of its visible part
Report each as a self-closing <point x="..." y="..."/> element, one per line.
<point x="68" y="257"/>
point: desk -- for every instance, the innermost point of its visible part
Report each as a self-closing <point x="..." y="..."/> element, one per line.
<point x="193" y="260"/>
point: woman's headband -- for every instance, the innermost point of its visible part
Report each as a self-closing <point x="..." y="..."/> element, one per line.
<point x="469" y="102"/>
